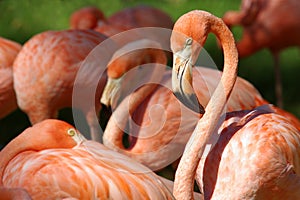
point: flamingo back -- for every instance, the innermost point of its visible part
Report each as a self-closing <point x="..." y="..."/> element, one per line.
<point x="141" y="16"/>
<point x="260" y="146"/>
<point x="88" y="171"/>
<point x="8" y="52"/>
<point x="46" y="67"/>
<point x="86" y="18"/>
<point x="14" y="194"/>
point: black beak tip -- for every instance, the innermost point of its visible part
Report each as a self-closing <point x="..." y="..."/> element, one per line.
<point x="190" y="102"/>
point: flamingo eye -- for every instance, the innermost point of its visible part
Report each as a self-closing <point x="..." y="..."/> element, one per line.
<point x="71" y="132"/>
<point x="188" y="41"/>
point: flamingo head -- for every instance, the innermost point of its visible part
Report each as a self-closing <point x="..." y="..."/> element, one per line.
<point x="86" y="18"/>
<point x="187" y="39"/>
<point x="48" y="134"/>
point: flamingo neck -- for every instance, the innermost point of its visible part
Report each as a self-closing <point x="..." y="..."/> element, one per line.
<point x="114" y="130"/>
<point x="113" y="134"/>
<point x="185" y="174"/>
<point x="16" y="146"/>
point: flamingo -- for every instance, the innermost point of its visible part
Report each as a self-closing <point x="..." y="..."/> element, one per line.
<point x="141" y="16"/>
<point x="135" y="17"/>
<point x="157" y="124"/>
<point x="264" y="29"/>
<point x="124" y="20"/>
<point x="52" y="160"/>
<point x="14" y="194"/>
<point x="91" y="17"/>
<point x="86" y="18"/>
<point x="257" y="153"/>
<point x="8" y="52"/>
<point x="45" y="71"/>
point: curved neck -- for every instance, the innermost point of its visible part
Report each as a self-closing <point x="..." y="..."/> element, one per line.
<point x="113" y="134"/>
<point x="20" y="144"/>
<point x="114" y="130"/>
<point x="185" y="174"/>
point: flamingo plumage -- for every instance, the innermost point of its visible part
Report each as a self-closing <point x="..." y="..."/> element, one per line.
<point x="131" y="18"/>
<point x="86" y="18"/>
<point x="262" y="29"/>
<point x="141" y="16"/>
<point x="14" y="194"/>
<point x="91" y="17"/>
<point x="135" y="17"/>
<point x="52" y="160"/>
<point x="157" y="124"/>
<point x="257" y="153"/>
<point x="45" y="71"/>
<point x="8" y="52"/>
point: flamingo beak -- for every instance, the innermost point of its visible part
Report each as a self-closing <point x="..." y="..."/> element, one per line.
<point x="182" y="80"/>
<point x="111" y="92"/>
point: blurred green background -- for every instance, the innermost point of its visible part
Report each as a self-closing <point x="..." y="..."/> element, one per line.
<point x="21" y="19"/>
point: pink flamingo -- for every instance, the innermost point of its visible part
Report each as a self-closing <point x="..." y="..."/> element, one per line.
<point x="86" y="18"/>
<point x="123" y="20"/>
<point x="141" y="16"/>
<point x="52" y="160"/>
<point x="159" y="126"/>
<point x="133" y="17"/>
<point x="8" y="52"/>
<point x="257" y="153"/>
<point x="264" y="29"/>
<point x="45" y="71"/>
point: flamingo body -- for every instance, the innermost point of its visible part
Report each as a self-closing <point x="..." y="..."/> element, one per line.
<point x="86" y="18"/>
<point x="141" y="16"/>
<point x="262" y="29"/>
<point x="8" y="53"/>
<point x="14" y="194"/>
<point x="45" y="71"/>
<point x="84" y="177"/>
<point x="263" y="148"/>
<point x="81" y="170"/>
<point x="129" y="18"/>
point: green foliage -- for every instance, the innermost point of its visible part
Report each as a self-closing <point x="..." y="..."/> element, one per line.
<point x="20" y="19"/>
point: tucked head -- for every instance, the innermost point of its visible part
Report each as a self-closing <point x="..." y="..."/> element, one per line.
<point x="86" y="18"/>
<point x="48" y="134"/>
<point x="60" y="134"/>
